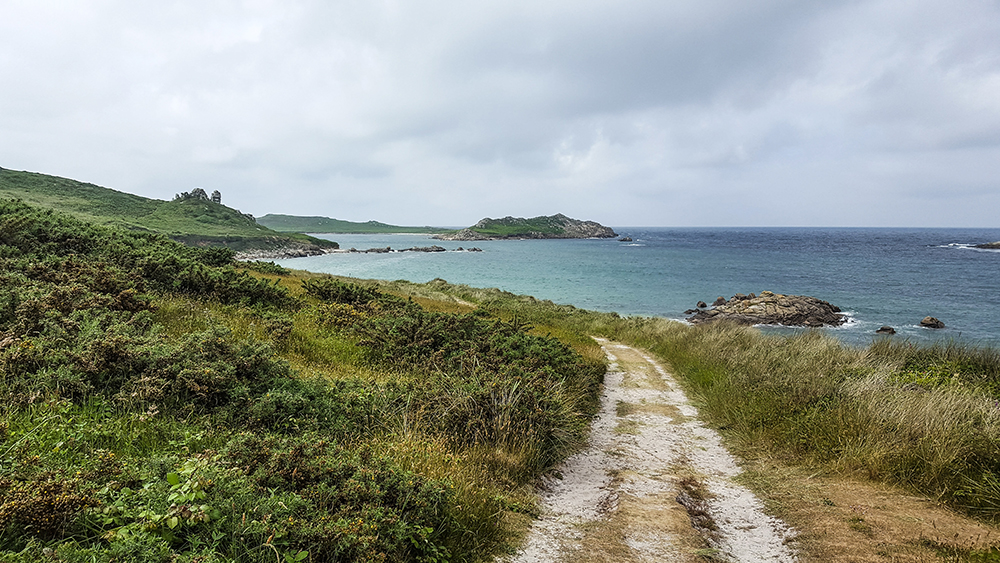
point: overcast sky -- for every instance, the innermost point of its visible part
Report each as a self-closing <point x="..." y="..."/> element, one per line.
<point x="417" y="112"/>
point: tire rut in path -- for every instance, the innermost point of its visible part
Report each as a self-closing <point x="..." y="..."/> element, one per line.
<point x="620" y="499"/>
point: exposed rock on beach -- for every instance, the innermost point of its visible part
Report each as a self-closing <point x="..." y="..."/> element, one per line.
<point x="287" y="250"/>
<point x="773" y="309"/>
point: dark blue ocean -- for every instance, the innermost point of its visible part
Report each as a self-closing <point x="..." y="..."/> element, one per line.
<point x="879" y="277"/>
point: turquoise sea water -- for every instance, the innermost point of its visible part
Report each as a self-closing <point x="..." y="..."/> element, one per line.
<point x="891" y="277"/>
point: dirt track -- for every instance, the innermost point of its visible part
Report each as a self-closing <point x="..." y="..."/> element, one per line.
<point x="654" y="484"/>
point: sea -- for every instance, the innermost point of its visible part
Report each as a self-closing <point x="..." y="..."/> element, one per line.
<point x="878" y="277"/>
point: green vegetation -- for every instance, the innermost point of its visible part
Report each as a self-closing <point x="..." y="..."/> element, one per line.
<point x="163" y="405"/>
<point x="296" y="224"/>
<point x="193" y="220"/>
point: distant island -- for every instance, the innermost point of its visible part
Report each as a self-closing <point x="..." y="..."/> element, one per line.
<point x="548" y="227"/>
<point x="326" y="225"/>
<point x="195" y="218"/>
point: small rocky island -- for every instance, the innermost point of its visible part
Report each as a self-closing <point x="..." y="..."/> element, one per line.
<point x="547" y="227"/>
<point x="770" y="309"/>
<point x="990" y="245"/>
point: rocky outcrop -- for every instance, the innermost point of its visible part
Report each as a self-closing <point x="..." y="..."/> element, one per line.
<point x="465" y="234"/>
<point x="291" y="250"/>
<point x="990" y="245"/>
<point x="433" y="248"/>
<point x="886" y="330"/>
<point x="551" y="227"/>
<point x="773" y="309"/>
<point x="931" y="322"/>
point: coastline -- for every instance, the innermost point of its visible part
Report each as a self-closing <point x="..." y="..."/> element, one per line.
<point x="664" y="271"/>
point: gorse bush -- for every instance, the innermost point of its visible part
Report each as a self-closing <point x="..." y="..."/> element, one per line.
<point x="492" y="382"/>
<point x="335" y="291"/>
<point x="45" y="244"/>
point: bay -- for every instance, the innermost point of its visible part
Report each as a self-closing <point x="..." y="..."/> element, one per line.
<point x="886" y="276"/>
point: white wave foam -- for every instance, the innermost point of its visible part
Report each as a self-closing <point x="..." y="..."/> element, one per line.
<point x="966" y="246"/>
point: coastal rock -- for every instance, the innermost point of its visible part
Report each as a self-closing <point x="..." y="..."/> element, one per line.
<point x="718" y="302"/>
<point x="773" y="309"/>
<point x="931" y="322"/>
<point x="886" y="330"/>
<point x="465" y="234"/>
<point x="990" y="245"/>
<point x="625" y="239"/>
<point x="291" y="250"/>
<point x="702" y="305"/>
<point x="434" y="248"/>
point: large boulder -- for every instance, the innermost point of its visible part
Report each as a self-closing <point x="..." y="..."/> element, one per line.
<point x="931" y="322"/>
<point x="773" y="309"/>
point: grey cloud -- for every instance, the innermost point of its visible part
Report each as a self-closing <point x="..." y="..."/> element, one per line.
<point x="417" y="112"/>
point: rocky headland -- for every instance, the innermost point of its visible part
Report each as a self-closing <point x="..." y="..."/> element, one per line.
<point x="548" y="227"/>
<point x="770" y="309"/>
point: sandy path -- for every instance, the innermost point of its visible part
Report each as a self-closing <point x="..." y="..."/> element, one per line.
<point x="621" y="498"/>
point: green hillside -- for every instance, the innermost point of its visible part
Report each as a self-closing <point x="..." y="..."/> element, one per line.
<point x="296" y="224"/>
<point x="192" y="220"/>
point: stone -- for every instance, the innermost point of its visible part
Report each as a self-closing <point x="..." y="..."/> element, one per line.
<point x="886" y="330"/>
<point x="773" y="309"/>
<point x="931" y="322"/>
<point x="719" y="302"/>
<point x="702" y="305"/>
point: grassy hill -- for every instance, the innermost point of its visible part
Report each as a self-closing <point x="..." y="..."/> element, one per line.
<point x="193" y="221"/>
<point x="296" y="224"/>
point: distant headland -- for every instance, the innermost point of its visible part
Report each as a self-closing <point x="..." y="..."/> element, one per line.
<point x="327" y="225"/>
<point x="546" y="227"/>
